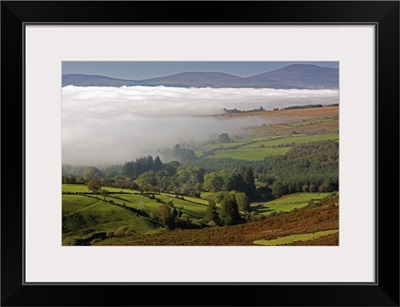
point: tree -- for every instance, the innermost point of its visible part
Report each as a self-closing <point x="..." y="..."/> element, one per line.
<point x="183" y="154"/>
<point x="235" y="182"/>
<point x="248" y="182"/>
<point x="212" y="213"/>
<point x="164" y="216"/>
<point x="104" y="193"/>
<point x="94" y="185"/>
<point x="328" y="186"/>
<point x="305" y="188"/>
<point x="243" y="202"/>
<point x="71" y="179"/>
<point x="148" y="178"/>
<point x="279" y="189"/>
<point x="264" y="193"/>
<point x="224" y="138"/>
<point x="171" y="167"/>
<point x="219" y="196"/>
<point x="229" y="212"/>
<point x="149" y="163"/>
<point x="158" y="165"/>
<point x="91" y="172"/>
<point x="190" y="179"/>
<point x="313" y="188"/>
<point x="213" y="182"/>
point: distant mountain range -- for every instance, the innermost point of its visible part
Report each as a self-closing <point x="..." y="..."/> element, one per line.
<point x="295" y="76"/>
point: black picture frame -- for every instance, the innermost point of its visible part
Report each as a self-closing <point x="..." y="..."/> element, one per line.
<point x="383" y="14"/>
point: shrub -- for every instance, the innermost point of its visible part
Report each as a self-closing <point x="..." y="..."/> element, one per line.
<point x="212" y="224"/>
<point x="120" y="232"/>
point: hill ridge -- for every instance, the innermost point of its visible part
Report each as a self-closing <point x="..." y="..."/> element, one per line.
<point x="294" y="76"/>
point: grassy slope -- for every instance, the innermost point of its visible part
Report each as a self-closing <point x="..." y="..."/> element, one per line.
<point x="262" y="147"/>
<point x="303" y="221"/>
<point x="286" y="203"/>
<point x="284" y="240"/>
<point x="85" y="215"/>
<point x="250" y="154"/>
<point x="297" y="139"/>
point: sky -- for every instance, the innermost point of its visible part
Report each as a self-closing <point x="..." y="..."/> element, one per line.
<point x="144" y="70"/>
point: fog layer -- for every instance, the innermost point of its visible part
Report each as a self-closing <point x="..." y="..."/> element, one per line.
<point x="115" y="125"/>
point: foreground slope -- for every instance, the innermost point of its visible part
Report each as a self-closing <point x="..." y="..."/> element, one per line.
<point x="313" y="219"/>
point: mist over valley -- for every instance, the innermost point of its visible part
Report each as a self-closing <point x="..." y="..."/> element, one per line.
<point x="116" y="124"/>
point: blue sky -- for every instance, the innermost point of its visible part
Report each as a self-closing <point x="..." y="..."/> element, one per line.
<point x="144" y="70"/>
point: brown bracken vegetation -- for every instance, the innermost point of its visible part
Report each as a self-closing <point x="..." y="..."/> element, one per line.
<point x="310" y="219"/>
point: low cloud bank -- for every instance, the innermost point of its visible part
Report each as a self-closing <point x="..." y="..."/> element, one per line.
<point x="114" y="125"/>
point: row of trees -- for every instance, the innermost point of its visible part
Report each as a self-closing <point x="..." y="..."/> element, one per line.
<point x="306" y="168"/>
<point x="228" y="210"/>
<point x="134" y="169"/>
<point x="226" y="213"/>
<point x="190" y="179"/>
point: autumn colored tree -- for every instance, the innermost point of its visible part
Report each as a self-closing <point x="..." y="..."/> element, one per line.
<point x="164" y="216"/>
<point x="94" y="185"/>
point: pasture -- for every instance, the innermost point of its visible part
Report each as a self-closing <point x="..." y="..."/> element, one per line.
<point x="286" y="203"/>
<point x="258" y="148"/>
<point x="124" y="216"/>
<point x="84" y="214"/>
<point x="249" y="154"/>
<point x="285" y="240"/>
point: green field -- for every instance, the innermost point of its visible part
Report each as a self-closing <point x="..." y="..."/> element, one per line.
<point x="311" y="122"/>
<point x="75" y="188"/>
<point x="286" y="203"/>
<point x="82" y="188"/>
<point x="250" y="154"/>
<point x="85" y="215"/>
<point x="295" y="238"/>
<point x="190" y="199"/>
<point x="234" y="143"/>
<point x="119" y="215"/>
<point x="296" y="139"/>
<point x="190" y="209"/>
<point x="258" y="148"/>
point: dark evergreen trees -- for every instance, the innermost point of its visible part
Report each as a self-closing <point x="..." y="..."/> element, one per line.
<point x="228" y="211"/>
<point x="249" y="186"/>
<point x="224" y="138"/>
<point x="235" y="182"/>
<point x="158" y="165"/>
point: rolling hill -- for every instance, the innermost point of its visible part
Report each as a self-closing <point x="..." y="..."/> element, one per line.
<point x="295" y="76"/>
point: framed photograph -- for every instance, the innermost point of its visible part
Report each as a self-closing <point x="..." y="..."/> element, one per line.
<point x="246" y="155"/>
